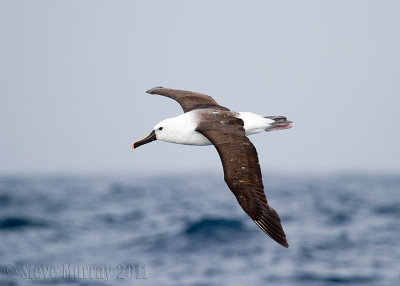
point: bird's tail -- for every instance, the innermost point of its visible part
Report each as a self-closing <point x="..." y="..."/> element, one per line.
<point x="279" y="123"/>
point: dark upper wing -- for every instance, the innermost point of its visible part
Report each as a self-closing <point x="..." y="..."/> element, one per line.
<point x="189" y="100"/>
<point x="242" y="170"/>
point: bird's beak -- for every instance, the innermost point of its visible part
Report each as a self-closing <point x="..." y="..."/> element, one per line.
<point x="151" y="137"/>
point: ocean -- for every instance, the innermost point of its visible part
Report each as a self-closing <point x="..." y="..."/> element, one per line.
<point x="171" y="230"/>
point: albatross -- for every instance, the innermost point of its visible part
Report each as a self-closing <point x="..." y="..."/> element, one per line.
<point x="205" y="122"/>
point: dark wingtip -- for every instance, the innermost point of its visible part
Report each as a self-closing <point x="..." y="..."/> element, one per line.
<point x="284" y="243"/>
<point x="270" y="223"/>
<point x="151" y="90"/>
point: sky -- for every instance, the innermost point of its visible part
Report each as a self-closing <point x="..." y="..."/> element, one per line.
<point x="73" y="76"/>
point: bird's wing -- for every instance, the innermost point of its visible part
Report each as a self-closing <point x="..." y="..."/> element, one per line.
<point x="242" y="170"/>
<point x="189" y="100"/>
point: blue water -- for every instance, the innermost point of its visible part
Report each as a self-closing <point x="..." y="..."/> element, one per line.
<point x="342" y="230"/>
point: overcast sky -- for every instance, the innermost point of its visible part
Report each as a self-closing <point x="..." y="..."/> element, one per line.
<point x="73" y="76"/>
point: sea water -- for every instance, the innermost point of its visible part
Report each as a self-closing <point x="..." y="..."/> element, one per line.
<point x="163" y="230"/>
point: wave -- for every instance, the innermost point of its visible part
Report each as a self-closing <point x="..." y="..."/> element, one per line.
<point x="335" y="278"/>
<point x="388" y="209"/>
<point x="11" y="223"/>
<point x="215" y="229"/>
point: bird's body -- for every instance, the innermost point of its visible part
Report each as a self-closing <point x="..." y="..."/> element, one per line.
<point x="205" y="122"/>
<point x="182" y="128"/>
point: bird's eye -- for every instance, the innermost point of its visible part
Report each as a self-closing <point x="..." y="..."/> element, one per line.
<point x="160" y="128"/>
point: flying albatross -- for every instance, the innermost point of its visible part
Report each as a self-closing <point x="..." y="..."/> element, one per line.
<point x="205" y="122"/>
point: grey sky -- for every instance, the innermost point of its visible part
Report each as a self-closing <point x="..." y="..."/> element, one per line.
<point x="73" y="76"/>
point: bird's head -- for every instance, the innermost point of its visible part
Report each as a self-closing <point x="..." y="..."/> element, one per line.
<point x="161" y="131"/>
